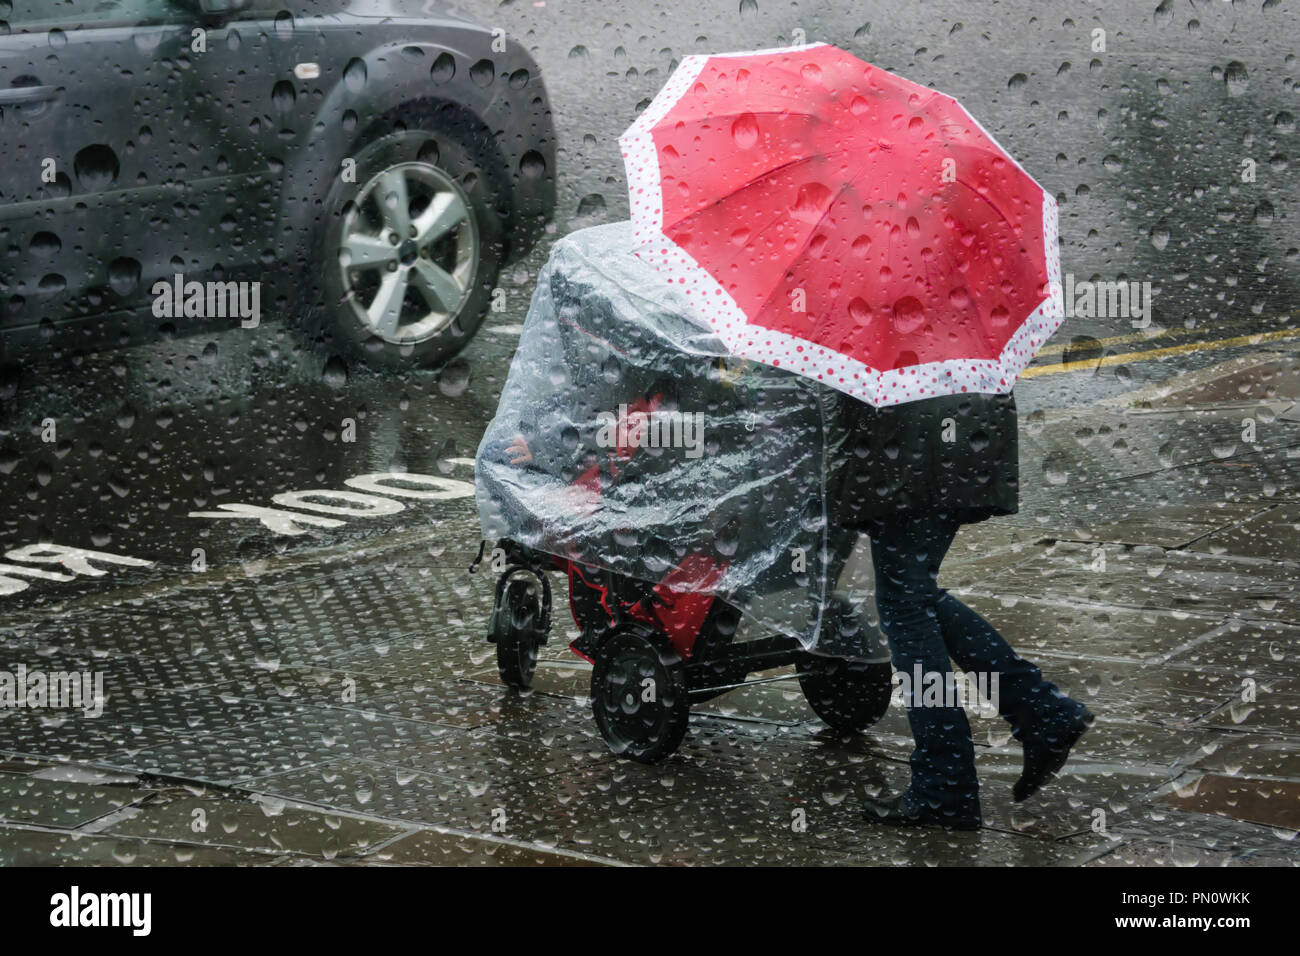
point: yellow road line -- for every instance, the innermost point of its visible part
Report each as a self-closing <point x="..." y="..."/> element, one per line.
<point x="1101" y="362"/>
<point x="1157" y="334"/>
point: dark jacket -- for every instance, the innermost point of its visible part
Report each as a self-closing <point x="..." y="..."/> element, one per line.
<point x="953" y="453"/>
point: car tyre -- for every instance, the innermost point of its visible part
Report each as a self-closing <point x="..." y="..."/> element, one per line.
<point x="408" y="252"/>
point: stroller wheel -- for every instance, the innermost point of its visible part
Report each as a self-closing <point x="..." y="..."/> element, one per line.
<point x="638" y="695"/>
<point x="849" y="695"/>
<point x="514" y="631"/>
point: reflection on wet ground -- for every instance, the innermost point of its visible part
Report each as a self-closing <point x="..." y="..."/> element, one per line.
<point x="330" y="698"/>
<point x="327" y="696"/>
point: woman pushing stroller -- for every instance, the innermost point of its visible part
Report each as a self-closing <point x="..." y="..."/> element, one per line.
<point x="865" y="236"/>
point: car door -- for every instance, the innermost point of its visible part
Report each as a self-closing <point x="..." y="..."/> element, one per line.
<point x="239" y="104"/>
<point x="92" y="192"/>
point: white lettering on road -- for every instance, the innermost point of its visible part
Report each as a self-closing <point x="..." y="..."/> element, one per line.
<point x="277" y="519"/>
<point x="374" y="496"/>
<point x="433" y="488"/>
<point x="9" y="573"/>
<point x="430" y="488"/>
<point x="76" y="560"/>
<point x="359" y="505"/>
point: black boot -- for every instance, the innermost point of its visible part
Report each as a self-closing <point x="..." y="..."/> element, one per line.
<point x="1045" y="758"/>
<point x="904" y="810"/>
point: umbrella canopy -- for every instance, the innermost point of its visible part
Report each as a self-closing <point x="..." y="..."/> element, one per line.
<point x="829" y="217"/>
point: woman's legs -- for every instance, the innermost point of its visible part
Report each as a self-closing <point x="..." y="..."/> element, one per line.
<point x="926" y="626"/>
<point x="1033" y="706"/>
<point x="907" y="553"/>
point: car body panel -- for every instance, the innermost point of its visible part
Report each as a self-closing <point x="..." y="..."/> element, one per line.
<point x="212" y="161"/>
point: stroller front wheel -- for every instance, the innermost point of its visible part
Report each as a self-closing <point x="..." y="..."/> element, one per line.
<point x="514" y="629"/>
<point x="638" y="694"/>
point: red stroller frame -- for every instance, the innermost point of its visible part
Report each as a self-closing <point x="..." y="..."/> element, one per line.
<point x="656" y="649"/>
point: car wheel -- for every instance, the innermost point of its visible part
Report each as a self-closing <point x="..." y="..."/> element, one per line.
<point x="410" y="251"/>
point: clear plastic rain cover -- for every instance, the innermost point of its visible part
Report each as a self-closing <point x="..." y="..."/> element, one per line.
<point x="627" y="439"/>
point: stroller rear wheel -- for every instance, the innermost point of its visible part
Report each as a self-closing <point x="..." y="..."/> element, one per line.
<point x="515" y="631"/>
<point x="638" y="694"/>
<point x="848" y="695"/>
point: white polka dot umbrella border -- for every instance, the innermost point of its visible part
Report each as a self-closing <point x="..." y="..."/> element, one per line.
<point x="715" y="306"/>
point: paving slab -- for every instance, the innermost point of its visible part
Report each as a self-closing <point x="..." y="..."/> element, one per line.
<point x="1088" y="446"/>
<point x="198" y="711"/>
<point x="435" y="656"/>
<point x="1277" y="713"/>
<point x="438" y="848"/>
<point x="1245" y="648"/>
<point x="217" y="820"/>
<point x="1153" y="579"/>
<point x="302" y="739"/>
<point x="1247" y="380"/>
<point x="1273" y="534"/>
<point x="1150" y="853"/>
<point x="519" y="810"/>
<point x="60" y="737"/>
<point x="1254" y="478"/>
<point x="690" y="834"/>
<point x="1255" y="757"/>
<point x="47" y="848"/>
<point x="487" y="757"/>
<point x="1272" y="803"/>
<point x="1162" y="692"/>
<point x="1088" y="630"/>
<point x="60" y="804"/>
<point x="1171" y="527"/>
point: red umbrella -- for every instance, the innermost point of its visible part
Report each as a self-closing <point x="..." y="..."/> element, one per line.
<point x="832" y="218"/>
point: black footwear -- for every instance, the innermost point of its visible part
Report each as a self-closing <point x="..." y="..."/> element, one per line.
<point x="1043" y="761"/>
<point x="901" y="812"/>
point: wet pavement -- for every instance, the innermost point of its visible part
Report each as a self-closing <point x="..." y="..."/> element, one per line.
<point x="329" y="697"/>
<point x="292" y="686"/>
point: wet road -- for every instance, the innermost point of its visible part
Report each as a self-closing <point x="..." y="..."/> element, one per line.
<point x="132" y="451"/>
<point x="114" y="449"/>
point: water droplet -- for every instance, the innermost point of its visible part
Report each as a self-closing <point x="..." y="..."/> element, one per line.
<point x="532" y="165"/>
<point x="283" y="96"/>
<point x="454" y="378"/>
<point x="1056" y="468"/>
<point x="335" y="372"/>
<point x="483" y="73"/>
<point x="354" y="75"/>
<point x="909" y="314"/>
<point x="744" y="130"/>
<point x="45" y="245"/>
<point x="123" y="275"/>
<point x="95" y="167"/>
<point x="1236" y="78"/>
<point x="443" y="69"/>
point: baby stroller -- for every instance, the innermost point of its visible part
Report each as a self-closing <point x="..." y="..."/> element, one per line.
<point x="662" y="547"/>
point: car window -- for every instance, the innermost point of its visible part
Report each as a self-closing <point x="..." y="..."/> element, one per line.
<point x="68" y="14"/>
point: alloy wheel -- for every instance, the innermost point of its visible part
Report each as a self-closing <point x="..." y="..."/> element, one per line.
<point x="409" y="253"/>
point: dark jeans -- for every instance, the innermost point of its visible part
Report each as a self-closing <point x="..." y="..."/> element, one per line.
<point x="926" y="625"/>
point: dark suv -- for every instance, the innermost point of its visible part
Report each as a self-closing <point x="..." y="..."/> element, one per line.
<point x="364" y="166"/>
